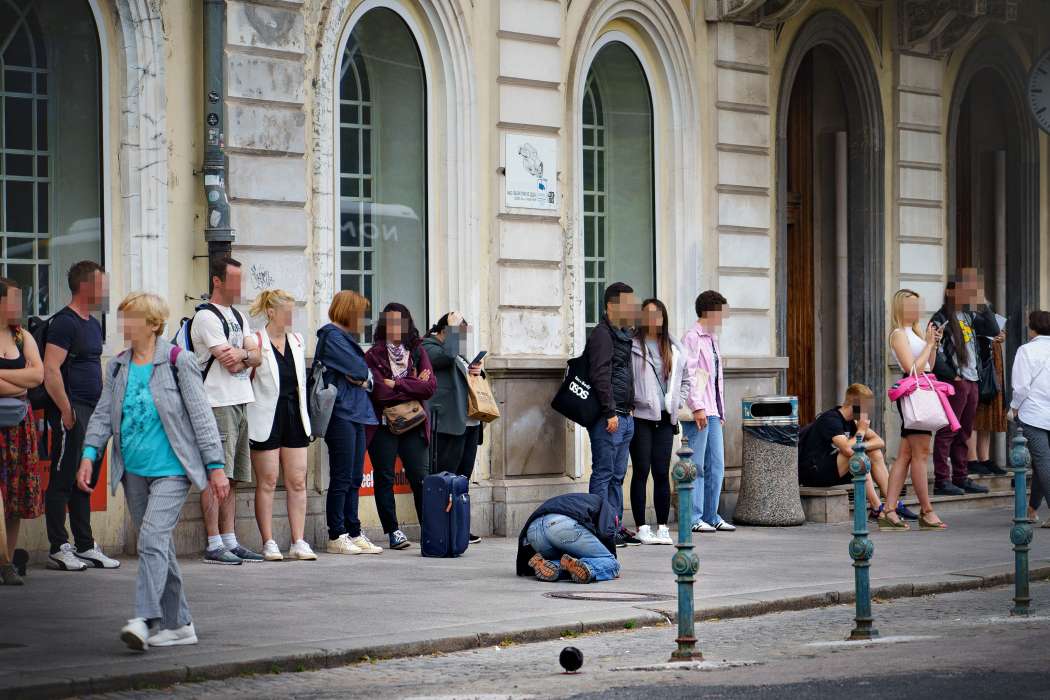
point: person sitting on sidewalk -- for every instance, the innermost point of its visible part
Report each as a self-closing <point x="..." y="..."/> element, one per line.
<point x="570" y="536"/>
<point x="825" y="447"/>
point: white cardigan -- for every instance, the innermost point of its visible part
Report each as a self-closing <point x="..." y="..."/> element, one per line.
<point x="265" y="384"/>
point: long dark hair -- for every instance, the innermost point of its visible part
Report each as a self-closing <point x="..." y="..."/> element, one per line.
<point x="949" y="310"/>
<point x="442" y="324"/>
<point x="409" y="337"/>
<point x="663" y="340"/>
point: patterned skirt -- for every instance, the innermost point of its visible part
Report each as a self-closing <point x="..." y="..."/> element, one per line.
<point x="19" y="471"/>
<point x="991" y="417"/>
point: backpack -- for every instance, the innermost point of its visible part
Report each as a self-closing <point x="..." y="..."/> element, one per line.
<point x="184" y="340"/>
<point x="38" y="327"/>
<point x="172" y="358"/>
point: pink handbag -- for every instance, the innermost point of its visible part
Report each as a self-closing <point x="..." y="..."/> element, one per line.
<point x="922" y="409"/>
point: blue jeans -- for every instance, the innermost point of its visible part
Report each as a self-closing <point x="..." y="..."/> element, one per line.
<point x="554" y="535"/>
<point x="346" y="463"/>
<point x="609" y="453"/>
<point x="709" y="457"/>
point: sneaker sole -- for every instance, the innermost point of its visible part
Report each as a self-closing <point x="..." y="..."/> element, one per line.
<point x="222" y="563"/>
<point x="303" y="558"/>
<point x="403" y="545"/>
<point x="133" y="641"/>
<point x="274" y="558"/>
<point x="59" y="566"/>
<point x="176" y="642"/>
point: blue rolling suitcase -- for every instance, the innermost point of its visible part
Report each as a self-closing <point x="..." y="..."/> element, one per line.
<point x="446" y="515"/>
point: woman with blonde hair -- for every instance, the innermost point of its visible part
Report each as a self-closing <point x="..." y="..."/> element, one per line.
<point x="155" y="405"/>
<point x="279" y="423"/>
<point x="914" y="350"/>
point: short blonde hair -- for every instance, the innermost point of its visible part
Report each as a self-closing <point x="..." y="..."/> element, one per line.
<point x="269" y="299"/>
<point x="855" y="392"/>
<point x="149" y="306"/>
<point x="347" y="306"/>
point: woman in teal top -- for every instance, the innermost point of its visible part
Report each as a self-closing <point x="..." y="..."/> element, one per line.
<point x="165" y="438"/>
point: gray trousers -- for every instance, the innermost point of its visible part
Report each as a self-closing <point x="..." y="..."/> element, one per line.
<point x="1039" y="447"/>
<point x="155" y="506"/>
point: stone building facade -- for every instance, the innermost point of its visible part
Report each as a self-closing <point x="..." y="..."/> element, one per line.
<point x="805" y="157"/>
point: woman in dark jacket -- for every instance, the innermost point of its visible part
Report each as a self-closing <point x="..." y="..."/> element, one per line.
<point x="403" y="375"/>
<point x="957" y="363"/>
<point x="345" y="362"/>
<point x="455" y="435"/>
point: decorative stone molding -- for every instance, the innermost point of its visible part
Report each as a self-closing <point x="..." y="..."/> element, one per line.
<point x="144" y="146"/>
<point x="938" y="27"/>
<point x="762" y="13"/>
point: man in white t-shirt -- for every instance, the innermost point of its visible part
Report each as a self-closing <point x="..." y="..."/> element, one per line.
<point x="226" y="351"/>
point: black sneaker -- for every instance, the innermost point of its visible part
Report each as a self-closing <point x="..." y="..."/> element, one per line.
<point x="977" y="468"/>
<point x="946" y="488"/>
<point x="20" y="559"/>
<point x="246" y="555"/>
<point x="905" y="513"/>
<point x="221" y="556"/>
<point x="619" y="540"/>
<point x="473" y="539"/>
<point x="994" y="468"/>
<point x="629" y="539"/>
<point x="970" y="486"/>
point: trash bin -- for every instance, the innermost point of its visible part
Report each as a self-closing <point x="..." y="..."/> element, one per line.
<point x="769" y="477"/>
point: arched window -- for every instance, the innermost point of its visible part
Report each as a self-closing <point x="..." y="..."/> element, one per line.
<point x="49" y="55"/>
<point x="382" y="165"/>
<point x="617" y="142"/>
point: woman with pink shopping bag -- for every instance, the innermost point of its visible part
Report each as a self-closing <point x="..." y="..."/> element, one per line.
<point x="915" y="353"/>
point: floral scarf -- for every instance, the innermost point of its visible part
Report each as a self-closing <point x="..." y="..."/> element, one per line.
<point x="398" y="357"/>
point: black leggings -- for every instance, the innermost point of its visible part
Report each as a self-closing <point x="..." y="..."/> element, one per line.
<point x="651" y="452"/>
<point x="456" y="453"/>
<point x="383" y="450"/>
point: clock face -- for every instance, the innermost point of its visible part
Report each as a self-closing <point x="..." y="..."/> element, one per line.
<point x="1039" y="91"/>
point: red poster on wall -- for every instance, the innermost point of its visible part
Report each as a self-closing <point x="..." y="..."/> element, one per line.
<point x="401" y="484"/>
<point x="99" y="497"/>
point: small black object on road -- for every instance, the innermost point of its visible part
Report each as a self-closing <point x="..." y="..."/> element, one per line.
<point x="571" y="659"/>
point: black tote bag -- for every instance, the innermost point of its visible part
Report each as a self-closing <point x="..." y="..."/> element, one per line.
<point x="576" y="399"/>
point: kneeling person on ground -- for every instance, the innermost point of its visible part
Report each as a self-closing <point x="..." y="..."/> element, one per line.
<point x="570" y="536"/>
<point x="825" y="448"/>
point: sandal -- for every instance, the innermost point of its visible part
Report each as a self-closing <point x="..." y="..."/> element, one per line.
<point x="887" y="525"/>
<point x="925" y="524"/>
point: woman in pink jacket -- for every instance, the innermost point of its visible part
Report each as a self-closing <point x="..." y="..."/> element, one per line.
<point x="706" y="402"/>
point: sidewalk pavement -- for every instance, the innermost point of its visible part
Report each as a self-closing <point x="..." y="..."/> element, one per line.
<point x="60" y="632"/>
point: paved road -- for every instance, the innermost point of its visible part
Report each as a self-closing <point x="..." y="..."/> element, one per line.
<point x="958" y="644"/>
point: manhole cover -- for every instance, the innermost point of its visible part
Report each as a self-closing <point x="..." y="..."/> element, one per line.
<point x="612" y="596"/>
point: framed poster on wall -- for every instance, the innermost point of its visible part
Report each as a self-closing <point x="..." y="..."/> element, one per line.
<point x="531" y="171"/>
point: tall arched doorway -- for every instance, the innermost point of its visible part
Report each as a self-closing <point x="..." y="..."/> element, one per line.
<point x="50" y="146"/>
<point x="830" y="307"/>
<point x="381" y="241"/>
<point x="617" y="140"/>
<point x="993" y="183"/>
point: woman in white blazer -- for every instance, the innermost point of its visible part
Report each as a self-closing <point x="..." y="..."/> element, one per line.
<point x="279" y="423"/>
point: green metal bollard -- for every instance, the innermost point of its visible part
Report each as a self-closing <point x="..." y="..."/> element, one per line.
<point x="685" y="563"/>
<point x="861" y="548"/>
<point x="1021" y="532"/>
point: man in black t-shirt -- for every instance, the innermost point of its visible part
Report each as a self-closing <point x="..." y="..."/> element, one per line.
<point x="73" y="380"/>
<point x="825" y="446"/>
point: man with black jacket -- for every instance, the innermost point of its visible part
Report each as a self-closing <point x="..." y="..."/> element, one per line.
<point x="570" y="535"/>
<point x="608" y="354"/>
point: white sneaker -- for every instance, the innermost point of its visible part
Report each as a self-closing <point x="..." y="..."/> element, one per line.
<point x="663" y="535"/>
<point x="136" y="634"/>
<point x="65" y="559"/>
<point x="645" y="535"/>
<point x="365" y="545"/>
<point x="174" y="638"/>
<point x="701" y="526"/>
<point x="271" y="552"/>
<point x="343" y="545"/>
<point x="301" y="550"/>
<point x="97" y="558"/>
<point x="723" y="526"/>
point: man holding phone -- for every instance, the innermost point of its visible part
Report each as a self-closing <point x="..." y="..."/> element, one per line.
<point x="456" y="436"/>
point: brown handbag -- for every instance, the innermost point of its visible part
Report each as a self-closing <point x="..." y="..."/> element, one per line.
<point x="403" y="417"/>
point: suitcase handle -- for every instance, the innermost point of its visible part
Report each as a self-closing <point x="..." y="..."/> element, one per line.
<point x="448" y="508"/>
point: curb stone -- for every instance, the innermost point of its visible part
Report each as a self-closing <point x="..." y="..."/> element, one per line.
<point x="320" y="658"/>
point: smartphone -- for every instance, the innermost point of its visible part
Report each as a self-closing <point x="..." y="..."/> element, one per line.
<point x="479" y="357"/>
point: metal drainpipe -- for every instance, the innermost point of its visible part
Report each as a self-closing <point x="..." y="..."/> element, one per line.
<point x="217" y="231"/>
